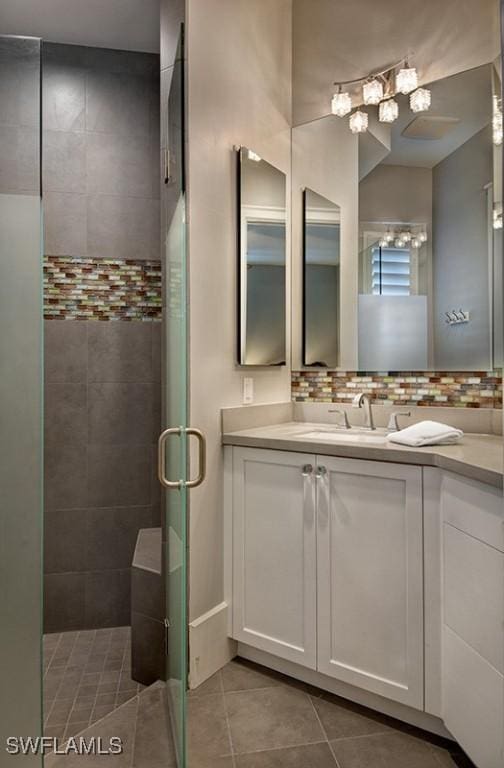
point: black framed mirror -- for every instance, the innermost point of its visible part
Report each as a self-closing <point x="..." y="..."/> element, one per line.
<point x="321" y="280"/>
<point x="261" y="252"/>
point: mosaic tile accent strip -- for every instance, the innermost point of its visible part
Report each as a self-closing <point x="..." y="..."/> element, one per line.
<point x="102" y="289"/>
<point x="454" y="389"/>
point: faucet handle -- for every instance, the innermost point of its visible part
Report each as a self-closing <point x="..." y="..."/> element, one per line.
<point x="393" y="424"/>
<point x="343" y="413"/>
<point x="357" y="400"/>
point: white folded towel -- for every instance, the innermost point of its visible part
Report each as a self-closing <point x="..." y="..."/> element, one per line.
<point x="427" y="433"/>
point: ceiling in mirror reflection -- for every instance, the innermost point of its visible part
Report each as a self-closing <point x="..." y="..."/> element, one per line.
<point x="354" y="37"/>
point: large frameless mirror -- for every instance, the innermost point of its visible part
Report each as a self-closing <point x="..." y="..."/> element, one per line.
<point x="428" y="215"/>
<point x="261" y="261"/>
<point x="321" y="280"/>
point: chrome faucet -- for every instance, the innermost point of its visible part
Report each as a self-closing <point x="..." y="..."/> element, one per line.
<point x="342" y="413"/>
<point x="364" y="401"/>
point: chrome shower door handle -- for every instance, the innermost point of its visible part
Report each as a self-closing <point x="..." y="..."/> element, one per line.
<point x="176" y="484"/>
<point x="171" y="484"/>
<point x="202" y="457"/>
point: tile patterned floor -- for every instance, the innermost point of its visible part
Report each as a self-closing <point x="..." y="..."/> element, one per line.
<point x="249" y="717"/>
<point x="86" y="676"/>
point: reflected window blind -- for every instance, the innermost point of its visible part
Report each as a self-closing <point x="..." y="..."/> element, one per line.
<point x="391" y="271"/>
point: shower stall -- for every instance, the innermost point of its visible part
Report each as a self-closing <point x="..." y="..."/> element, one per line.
<point x="93" y="356"/>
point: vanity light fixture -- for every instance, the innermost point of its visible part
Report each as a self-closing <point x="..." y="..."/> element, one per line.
<point x="359" y="122"/>
<point x="420" y="100"/>
<point x="341" y="103"/>
<point x="372" y="91"/>
<point x="379" y="89"/>
<point x="497" y="122"/>
<point x="406" y="79"/>
<point x="388" y="111"/>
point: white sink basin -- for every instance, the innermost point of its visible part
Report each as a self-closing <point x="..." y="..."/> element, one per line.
<point x="349" y="436"/>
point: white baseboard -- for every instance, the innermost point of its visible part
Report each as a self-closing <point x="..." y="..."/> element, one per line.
<point x="210" y="648"/>
<point x="346" y="691"/>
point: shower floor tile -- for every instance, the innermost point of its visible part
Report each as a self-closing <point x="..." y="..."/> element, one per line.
<point x="86" y="676"/>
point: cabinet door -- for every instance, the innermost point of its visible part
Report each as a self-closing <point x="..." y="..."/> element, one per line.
<point x="473" y="618"/>
<point x="274" y="553"/>
<point x="370" y="577"/>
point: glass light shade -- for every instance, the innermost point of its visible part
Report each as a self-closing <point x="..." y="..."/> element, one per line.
<point x="341" y="104"/>
<point x="388" y="111"/>
<point x="416" y="242"/>
<point x="420" y="100"/>
<point x="383" y="242"/>
<point x="389" y="237"/>
<point x="406" y="237"/>
<point x="422" y="237"/>
<point x="406" y="80"/>
<point x="359" y="122"/>
<point x="399" y="242"/>
<point x="497" y="122"/>
<point x="372" y="92"/>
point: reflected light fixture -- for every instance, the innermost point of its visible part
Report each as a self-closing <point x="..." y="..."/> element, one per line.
<point x="359" y="122"/>
<point x="420" y="100"/>
<point x="406" y="79"/>
<point x="341" y="103"/>
<point x="388" y="111"/>
<point x="497" y="123"/>
<point x="372" y="91"/>
<point x="416" y="242"/>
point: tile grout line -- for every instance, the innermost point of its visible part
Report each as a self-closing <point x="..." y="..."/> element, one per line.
<point x="323" y="730"/>
<point x="228" y="724"/>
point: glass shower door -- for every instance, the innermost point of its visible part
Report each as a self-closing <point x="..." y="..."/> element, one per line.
<point x="20" y="396"/>
<point x="173" y="443"/>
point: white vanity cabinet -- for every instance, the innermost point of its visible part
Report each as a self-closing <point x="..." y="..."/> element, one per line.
<point x="327" y="566"/>
<point x="472" y="691"/>
<point x="274" y="553"/>
<point x="370" y="576"/>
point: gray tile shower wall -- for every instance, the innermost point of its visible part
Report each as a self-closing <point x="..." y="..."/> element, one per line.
<point x="101" y="152"/>
<point x="102" y="417"/>
<point x="102" y="377"/>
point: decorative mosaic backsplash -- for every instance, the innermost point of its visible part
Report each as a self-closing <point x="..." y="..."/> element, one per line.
<point x="101" y="289"/>
<point x="463" y="390"/>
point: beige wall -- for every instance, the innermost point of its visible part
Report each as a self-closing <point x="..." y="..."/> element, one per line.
<point x="325" y="159"/>
<point x="239" y="91"/>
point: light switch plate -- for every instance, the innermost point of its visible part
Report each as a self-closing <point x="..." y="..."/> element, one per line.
<point x="248" y="391"/>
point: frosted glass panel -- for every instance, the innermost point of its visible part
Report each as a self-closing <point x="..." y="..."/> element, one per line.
<point x="20" y="395"/>
<point x="392" y="333"/>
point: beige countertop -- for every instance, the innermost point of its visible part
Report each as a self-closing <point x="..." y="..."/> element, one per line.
<point x="478" y="457"/>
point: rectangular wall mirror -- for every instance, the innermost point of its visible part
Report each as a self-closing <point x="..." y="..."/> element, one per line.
<point x="429" y="205"/>
<point x="321" y="280"/>
<point x="261" y="261"/>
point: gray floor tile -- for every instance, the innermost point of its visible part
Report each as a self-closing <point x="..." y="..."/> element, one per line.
<point x="153" y="745"/>
<point x="239" y="676"/>
<point x="208" y="734"/>
<point x="310" y="756"/>
<point x="345" y="721"/>
<point x="271" y="717"/>
<point x="387" y="750"/>
<point x="212" y="685"/>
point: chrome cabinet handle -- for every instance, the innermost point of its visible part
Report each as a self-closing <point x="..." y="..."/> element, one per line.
<point x="307" y="470"/>
<point x="172" y="484"/>
<point x="321" y="472"/>
<point x="202" y="457"/>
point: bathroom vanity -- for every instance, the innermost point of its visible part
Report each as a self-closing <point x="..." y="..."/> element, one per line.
<point x="373" y="570"/>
